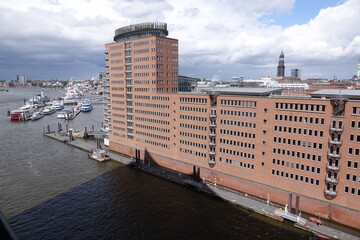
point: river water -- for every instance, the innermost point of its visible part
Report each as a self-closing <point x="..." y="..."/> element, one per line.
<point x="50" y="190"/>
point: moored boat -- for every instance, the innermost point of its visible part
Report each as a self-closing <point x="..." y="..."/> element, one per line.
<point x="48" y="110"/>
<point x="22" y="114"/>
<point x="99" y="155"/>
<point x="58" y="106"/>
<point x="37" y="115"/>
<point x="86" y="106"/>
<point x="64" y="114"/>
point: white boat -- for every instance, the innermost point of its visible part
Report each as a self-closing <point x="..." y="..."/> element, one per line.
<point x="58" y="106"/>
<point x="64" y="114"/>
<point x="86" y="106"/>
<point x="37" y="115"/>
<point x="48" y="110"/>
<point x="99" y="155"/>
<point x="24" y="113"/>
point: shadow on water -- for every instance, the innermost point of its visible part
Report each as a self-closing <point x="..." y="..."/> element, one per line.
<point x="127" y="204"/>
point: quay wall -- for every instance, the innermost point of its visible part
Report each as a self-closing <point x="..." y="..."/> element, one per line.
<point x="323" y="209"/>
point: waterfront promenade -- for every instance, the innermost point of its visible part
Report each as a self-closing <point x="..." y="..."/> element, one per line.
<point x="244" y="201"/>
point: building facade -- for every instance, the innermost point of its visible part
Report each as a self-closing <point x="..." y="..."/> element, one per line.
<point x="303" y="152"/>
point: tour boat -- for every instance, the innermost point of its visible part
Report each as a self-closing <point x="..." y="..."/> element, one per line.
<point x="86" y="106"/>
<point x="22" y="114"/>
<point x="36" y="116"/>
<point x="58" y="106"/>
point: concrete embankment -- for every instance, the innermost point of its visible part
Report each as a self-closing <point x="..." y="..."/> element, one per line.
<point x="263" y="208"/>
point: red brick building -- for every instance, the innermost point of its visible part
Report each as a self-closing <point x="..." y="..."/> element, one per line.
<point x="300" y="151"/>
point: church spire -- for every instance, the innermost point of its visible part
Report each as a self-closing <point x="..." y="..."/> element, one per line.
<point x="281" y="65"/>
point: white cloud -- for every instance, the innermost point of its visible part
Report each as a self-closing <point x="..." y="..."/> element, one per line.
<point x="216" y="36"/>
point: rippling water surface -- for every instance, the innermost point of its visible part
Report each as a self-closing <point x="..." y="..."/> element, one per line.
<point x="50" y="190"/>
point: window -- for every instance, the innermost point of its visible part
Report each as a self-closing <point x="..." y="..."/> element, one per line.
<point x="347" y="176"/>
<point x="346" y="189"/>
<point x="355" y="165"/>
<point x="349" y="164"/>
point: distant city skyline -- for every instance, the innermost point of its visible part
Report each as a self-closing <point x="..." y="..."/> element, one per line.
<point x="65" y="39"/>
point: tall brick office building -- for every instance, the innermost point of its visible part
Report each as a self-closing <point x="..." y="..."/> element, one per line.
<point x="303" y="152"/>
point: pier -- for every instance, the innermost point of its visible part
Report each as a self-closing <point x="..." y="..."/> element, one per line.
<point x="240" y="199"/>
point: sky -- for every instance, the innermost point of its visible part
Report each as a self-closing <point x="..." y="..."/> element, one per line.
<point x="64" y="39"/>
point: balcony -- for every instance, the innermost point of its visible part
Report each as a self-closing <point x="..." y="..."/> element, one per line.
<point x="212" y="134"/>
<point x="212" y="124"/>
<point x="334" y="129"/>
<point x="211" y="161"/>
<point x="332" y="180"/>
<point x="212" y="153"/>
<point x="212" y="115"/>
<point x="334" y="155"/>
<point x="332" y="168"/>
<point x="330" y="192"/>
<point x="212" y="143"/>
<point x="335" y="142"/>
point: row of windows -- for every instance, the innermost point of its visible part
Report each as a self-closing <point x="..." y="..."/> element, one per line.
<point x="117" y="109"/>
<point x="118" y="134"/>
<point x="150" y="120"/>
<point x="117" y="68"/>
<point x="193" y="118"/>
<point x="141" y="89"/>
<point x="193" y="100"/>
<point x="141" y="66"/>
<point x="118" y="82"/>
<point x="193" y="152"/>
<point x="142" y="74"/>
<point x="356" y="110"/>
<point x="299" y="119"/>
<point x="237" y="133"/>
<point x="295" y="177"/>
<point x="352" y="164"/>
<point x="119" y="122"/>
<point x="116" y="61"/>
<point x="352" y="138"/>
<point x="237" y="143"/>
<point x="156" y="113"/>
<point x="118" y="115"/>
<point x="158" y="129"/>
<point x="118" y="128"/>
<point x="297" y="166"/>
<point x="238" y="113"/>
<point x="116" y="47"/>
<point x="299" y="143"/>
<point x="117" y="102"/>
<point x="142" y="82"/>
<point x="115" y="54"/>
<point x="303" y="131"/>
<point x="237" y="163"/>
<point x="355" y="151"/>
<point x="292" y="153"/>
<point x="117" y="75"/>
<point x="192" y="126"/>
<point x="141" y="59"/>
<point x="354" y="125"/>
<point x="157" y="144"/>
<point x="193" y="135"/>
<point x="238" y="103"/>
<point x="117" y="89"/>
<point x="300" y="107"/>
<point x="193" y="144"/>
<point x="151" y="135"/>
<point x="237" y="153"/>
<point x="351" y="190"/>
<point x="135" y="44"/>
<point x="238" y="123"/>
<point x="117" y="95"/>
<point x="193" y="109"/>
<point x="141" y="51"/>
<point x="142" y="97"/>
<point x="354" y="178"/>
<point x="152" y="105"/>
<point x="159" y="98"/>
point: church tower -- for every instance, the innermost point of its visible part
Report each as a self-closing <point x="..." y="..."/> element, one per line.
<point x="281" y="66"/>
